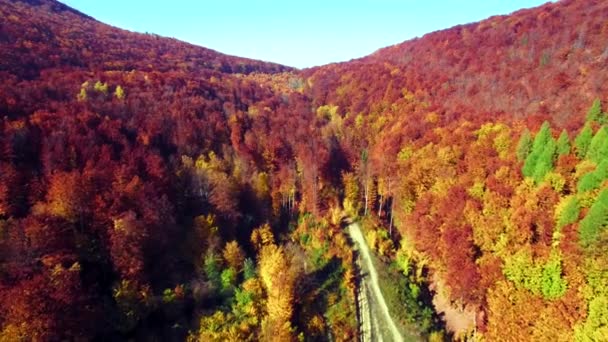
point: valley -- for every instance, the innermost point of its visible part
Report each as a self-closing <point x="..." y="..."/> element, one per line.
<point x="155" y="190"/>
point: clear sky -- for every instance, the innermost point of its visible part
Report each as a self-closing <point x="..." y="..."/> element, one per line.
<point x="294" y="32"/>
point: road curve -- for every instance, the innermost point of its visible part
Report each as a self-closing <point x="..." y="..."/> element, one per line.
<point x="369" y="286"/>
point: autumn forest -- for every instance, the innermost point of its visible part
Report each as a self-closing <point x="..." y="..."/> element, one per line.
<point x="155" y="190"/>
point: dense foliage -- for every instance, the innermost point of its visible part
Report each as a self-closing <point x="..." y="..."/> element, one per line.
<point x="154" y="190"/>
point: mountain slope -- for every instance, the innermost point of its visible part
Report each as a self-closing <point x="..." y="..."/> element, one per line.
<point x="155" y="190"/>
<point x="125" y="160"/>
<point x="44" y="34"/>
<point x="547" y="60"/>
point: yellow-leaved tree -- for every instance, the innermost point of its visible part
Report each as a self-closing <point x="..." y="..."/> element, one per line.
<point x="234" y="255"/>
<point x="278" y="277"/>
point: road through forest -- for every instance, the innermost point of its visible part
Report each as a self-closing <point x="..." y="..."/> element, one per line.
<point x="376" y="323"/>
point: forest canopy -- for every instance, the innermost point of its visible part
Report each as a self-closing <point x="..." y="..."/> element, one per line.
<point x="155" y="190"/>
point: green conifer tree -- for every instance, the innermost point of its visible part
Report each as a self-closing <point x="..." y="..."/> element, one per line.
<point x="563" y="144"/>
<point x="593" y="179"/>
<point x="595" y="112"/>
<point x="538" y="146"/>
<point x="248" y="269"/>
<point x="544" y="163"/>
<point x="598" y="147"/>
<point x="582" y="141"/>
<point x="595" y="220"/>
<point x="570" y="213"/>
<point x="211" y="267"/>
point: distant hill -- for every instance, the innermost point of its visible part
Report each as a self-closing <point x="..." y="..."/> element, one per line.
<point x="42" y="34"/>
<point x="547" y="60"/>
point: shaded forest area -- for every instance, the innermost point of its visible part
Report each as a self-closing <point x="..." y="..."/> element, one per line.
<point x="151" y="189"/>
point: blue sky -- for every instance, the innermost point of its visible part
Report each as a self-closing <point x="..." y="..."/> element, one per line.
<point x="296" y="33"/>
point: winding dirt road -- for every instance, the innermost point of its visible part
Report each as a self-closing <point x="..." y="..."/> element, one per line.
<point x="374" y="316"/>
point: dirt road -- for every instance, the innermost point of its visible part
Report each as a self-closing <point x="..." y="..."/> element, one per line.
<point x="375" y="319"/>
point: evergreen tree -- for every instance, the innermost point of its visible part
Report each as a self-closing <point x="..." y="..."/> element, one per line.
<point x="211" y="267"/>
<point x="582" y="141"/>
<point x="588" y="182"/>
<point x="598" y="147"/>
<point x="538" y="146"/>
<point x="593" y="179"/>
<point x="544" y="163"/>
<point x="569" y="213"/>
<point x="530" y="164"/>
<point x="228" y="279"/>
<point x="524" y="145"/>
<point x="542" y="137"/>
<point x="595" y="112"/>
<point x="248" y="269"/>
<point x="595" y="221"/>
<point x="563" y="144"/>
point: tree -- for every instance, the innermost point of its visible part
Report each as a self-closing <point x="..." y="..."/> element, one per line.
<point x="582" y="140"/>
<point x="34" y="309"/>
<point x="521" y="269"/>
<point x="563" y="144"/>
<point x="594" y="328"/>
<point x="132" y="302"/>
<point x="233" y="255"/>
<point x="553" y="286"/>
<point x="212" y="269"/>
<point x="524" y="145"/>
<point x="82" y="95"/>
<point x="594" y="113"/>
<point x="595" y="220"/>
<point x="228" y="279"/>
<point x="569" y="213"/>
<point x="351" y="201"/>
<point x="593" y="179"/>
<point x="262" y="236"/>
<point x="66" y="195"/>
<point x="279" y="279"/>
<point x="248" y="269"/>
<point x="544" y="163"/>
<point x="542" y="137"/>
<point x="119" y="93"/>
<point x="9" y="189"/>
<point x="365" y="176"/>
<point x="598" y="147"/>
<point x="541" y="140"/>
<point x="213" y="184"/>
<point x="127" y="239"/>
<point x="101" y="87"/>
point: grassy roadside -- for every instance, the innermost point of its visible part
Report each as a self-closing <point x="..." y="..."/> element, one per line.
<point x="409" y="301"/>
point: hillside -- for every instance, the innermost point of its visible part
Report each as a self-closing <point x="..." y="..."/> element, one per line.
<point x="45" y="34"/>
<point x="155" y="190"/>
<point x="546" y="61"/>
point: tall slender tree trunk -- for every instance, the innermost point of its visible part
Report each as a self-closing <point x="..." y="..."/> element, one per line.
<point x="390" y="226"/>
<point x="366" y="197"/>
<point x="365" y="174"/>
